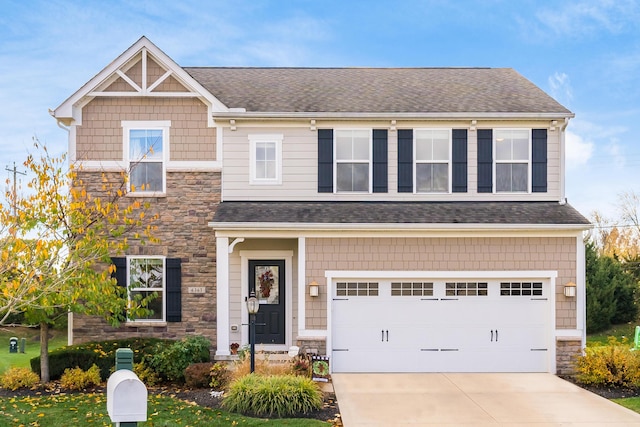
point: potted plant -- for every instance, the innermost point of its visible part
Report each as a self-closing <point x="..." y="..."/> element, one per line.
<point x="234" y="347"/>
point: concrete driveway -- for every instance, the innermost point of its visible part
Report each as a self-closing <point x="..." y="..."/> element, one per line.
<point x="472" y="400"/>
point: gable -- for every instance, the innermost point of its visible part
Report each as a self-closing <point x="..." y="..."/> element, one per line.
<point x="143" y="70"/>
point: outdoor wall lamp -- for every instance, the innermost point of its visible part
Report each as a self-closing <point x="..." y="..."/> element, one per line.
<point x="570" y="290"/>
<point x="314" y="289"/>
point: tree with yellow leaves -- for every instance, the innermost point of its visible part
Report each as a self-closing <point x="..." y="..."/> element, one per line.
<point x="56" y="245"/>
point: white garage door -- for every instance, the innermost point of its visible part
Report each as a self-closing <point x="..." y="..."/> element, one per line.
<point x="440" y="326"/>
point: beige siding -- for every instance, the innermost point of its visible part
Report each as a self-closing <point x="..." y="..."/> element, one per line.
<point x="442" y="254"/>
<point x="101" y="138"/>
<point x="300" y="153"/>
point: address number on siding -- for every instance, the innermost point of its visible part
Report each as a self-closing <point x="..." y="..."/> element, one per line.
<point x="196" y="290"/>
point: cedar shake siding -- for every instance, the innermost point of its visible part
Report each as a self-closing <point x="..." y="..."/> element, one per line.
<point x="442" y="254"/>
<point x="101" y="136"/>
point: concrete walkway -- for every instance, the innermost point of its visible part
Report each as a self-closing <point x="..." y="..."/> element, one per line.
<point x="472" y="400"/>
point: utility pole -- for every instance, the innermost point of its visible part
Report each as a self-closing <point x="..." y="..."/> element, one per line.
<point x="14" y="196"/>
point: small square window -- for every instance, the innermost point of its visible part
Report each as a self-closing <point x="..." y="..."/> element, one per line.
<point x="266" y="159"/>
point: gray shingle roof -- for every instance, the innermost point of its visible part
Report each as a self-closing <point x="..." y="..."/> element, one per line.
<point x="513" y="213"/>
<point x="376" y="90"/>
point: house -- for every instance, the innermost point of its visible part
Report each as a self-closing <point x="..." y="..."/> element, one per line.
<point x="403" y="219"/>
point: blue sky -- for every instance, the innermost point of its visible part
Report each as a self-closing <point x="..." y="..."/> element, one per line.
<point x="586" y="54"/>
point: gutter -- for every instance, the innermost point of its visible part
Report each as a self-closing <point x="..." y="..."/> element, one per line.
<point x="388" y="115"/>
<point x="383" y="227"/>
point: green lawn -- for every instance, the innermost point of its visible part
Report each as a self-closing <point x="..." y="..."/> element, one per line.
<point x="32" y="348"/>
<point x="91" y="409"/>
<point x="619" y="331"/>
<point x="632" y="403"/>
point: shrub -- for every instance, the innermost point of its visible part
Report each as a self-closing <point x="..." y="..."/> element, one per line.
<point x="78" y="379"/>
<point x="100" y="353"/>
<point x="15" y="378"/>
<point x="146" y="374"/>
<point x="220" y="376"/>
<point x="612" y="365"/>
<point x="198" y="374"/>
<point x="280" y="395"/>
<point x="171" y="362"/>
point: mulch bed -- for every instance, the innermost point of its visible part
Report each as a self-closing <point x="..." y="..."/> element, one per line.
<point x="606" y="392"/>
<point x="202" y="397"/>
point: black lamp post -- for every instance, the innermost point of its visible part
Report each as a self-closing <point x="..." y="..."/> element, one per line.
<point x="253" y="305"/>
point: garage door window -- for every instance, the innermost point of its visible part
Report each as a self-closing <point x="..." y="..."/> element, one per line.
<point x="521" y="289"/>
<point x="420" y="289"/>
<point x="469" y="289"/>
<point x="360" y="289"/>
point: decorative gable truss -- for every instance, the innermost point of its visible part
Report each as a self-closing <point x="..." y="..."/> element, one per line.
<point x="143" y="70"/>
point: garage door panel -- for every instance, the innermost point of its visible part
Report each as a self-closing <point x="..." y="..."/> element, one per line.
<point x="441" y="326"/>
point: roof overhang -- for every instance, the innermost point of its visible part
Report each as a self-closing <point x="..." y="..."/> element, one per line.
<point x="390" y="115"/>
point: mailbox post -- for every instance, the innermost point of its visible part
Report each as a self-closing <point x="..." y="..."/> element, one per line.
<point x="126" y="394"/>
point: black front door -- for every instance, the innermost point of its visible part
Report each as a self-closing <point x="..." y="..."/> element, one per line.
<point x="266" y="279"/>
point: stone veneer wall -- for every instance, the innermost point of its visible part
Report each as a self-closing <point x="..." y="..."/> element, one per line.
<point x="190" y="203"/>
<point x="567" y="350"/>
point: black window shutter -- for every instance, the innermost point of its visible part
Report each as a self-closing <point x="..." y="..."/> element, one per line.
<point x="539" y="161"/>
<point x="120" y="274"/>
<point x="459" y="166"/>
<point x="325" y="160"/>
<point x="380" y="161"/>
<point x="485" y="160"/>
<point x="405" y="160"/>
<point x="174" y="290"/>
<point x="121" y="270"/>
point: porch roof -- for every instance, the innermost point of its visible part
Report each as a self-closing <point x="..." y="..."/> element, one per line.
<point x="440" y="213"/>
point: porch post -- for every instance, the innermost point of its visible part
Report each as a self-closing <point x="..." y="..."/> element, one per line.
<point x="222" y="296"/>
<point x="302" y="279"/>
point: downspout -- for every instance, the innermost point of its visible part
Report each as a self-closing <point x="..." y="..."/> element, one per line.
<point x="563" y="166"/>
<point x="69" y="312"/>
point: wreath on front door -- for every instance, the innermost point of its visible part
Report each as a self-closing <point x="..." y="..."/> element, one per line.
<point x="266" y="281"/>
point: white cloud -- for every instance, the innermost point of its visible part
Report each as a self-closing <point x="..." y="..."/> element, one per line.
<point x="561" y="88"/>
<point x="578" y="150"/>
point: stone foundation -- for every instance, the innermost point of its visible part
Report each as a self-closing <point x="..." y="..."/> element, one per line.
<point x="567" y="350"/>
<point x="312" y="345"/>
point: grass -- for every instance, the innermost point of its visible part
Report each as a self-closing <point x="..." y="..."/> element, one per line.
<point x="632" y="403"/>
<point x="91" y="409"/>
<point x="619" y="331"/>
<point x="32" y="348"/>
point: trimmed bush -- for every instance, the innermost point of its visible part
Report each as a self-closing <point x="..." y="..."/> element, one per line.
<point x="102" y="354"/>
<point x="220" y="376"/>
<point x="198" y="374"/>
<point x="279" y="395"/>
<point x="15" y="378"/>
<point x="170" y="363"/>
<point x="146" y="374"/>
<point x="612" y="365"/>
<point x="78" y="379"/>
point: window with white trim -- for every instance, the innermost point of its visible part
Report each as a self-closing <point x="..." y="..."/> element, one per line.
<point x="353" y="160"/>
<point x="513" y="160"/>
<point x="432" y="154"/>
<point x="266" y="159"/>
<point x="146" y="278"/>
<point x="146" y="146"/>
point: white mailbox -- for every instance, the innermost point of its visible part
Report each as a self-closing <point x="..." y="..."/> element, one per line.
<point x="126" y="397"/>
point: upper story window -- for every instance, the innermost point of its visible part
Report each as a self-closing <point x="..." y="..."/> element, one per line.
<point x="353" y="160"/>
<point x="146" y="277"/>
<point x="512" y="160"/>
<point x="266" y="159"/>
<point x="432" y="160"/>
<point x="145" y="147"/>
